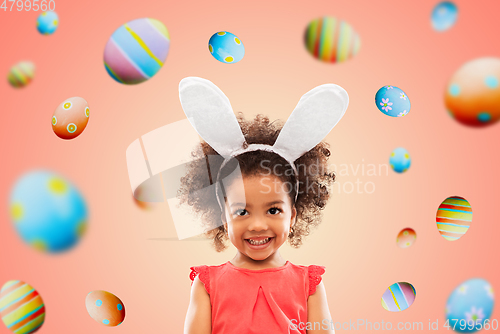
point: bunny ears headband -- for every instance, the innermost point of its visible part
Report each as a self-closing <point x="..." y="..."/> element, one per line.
<point x="211" y="115"/>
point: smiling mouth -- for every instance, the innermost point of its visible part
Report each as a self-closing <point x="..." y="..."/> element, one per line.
<point x="259" y="242"/>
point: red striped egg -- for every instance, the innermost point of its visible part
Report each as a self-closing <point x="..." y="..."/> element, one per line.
<point x="21" y="307"/>
<point x="453" y="218"/>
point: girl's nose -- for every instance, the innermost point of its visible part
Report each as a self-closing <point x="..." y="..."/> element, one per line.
<point x="258" y="224"/>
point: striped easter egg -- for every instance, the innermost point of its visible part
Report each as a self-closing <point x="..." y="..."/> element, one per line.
<point x="398" y="297"/>
<point x="331" y="40"/>
<point x="21" y="74"/>
<point x="136" y="51"/>
<point x="454" y="217"/>
<point x="21" y="307"/>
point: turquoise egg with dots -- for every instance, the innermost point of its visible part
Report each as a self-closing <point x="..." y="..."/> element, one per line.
<point x="47" y="23"/>
<point x="470" y="306"/>
<point x="48" y="212"/>
<point x="400" y="160"/>
<point x="226" y="47"/>
<point x="392" y="101"/>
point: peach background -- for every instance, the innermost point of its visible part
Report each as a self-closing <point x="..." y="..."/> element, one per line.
<point x="134" y="253"/>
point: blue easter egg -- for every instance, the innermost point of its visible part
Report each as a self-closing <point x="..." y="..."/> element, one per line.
<point x="226" y="47"/>
<point x="47" y="23"/>
<point x="471" y="303"/>
<point x="48" y="212"/>
<point x="400" y="160"/>
<point x="392" y="101"/>
<point x="444" y="15"/>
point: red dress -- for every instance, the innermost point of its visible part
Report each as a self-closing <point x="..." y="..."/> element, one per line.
<point x="258" y="301"/>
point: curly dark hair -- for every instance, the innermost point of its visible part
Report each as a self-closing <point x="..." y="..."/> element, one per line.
<point x="315" y="180"/>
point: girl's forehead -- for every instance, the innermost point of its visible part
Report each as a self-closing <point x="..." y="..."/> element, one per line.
<point x="260" y="188"/>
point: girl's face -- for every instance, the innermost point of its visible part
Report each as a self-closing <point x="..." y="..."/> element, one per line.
<point x="258" y="215"/>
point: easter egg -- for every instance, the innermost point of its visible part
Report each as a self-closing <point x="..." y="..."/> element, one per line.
<point x="21" y="74"/>
<point x="136" y="51"/>
<point x="47" y="23"/>
<point x="392" y="101"/>
<point x="470" y="305"/>
<point x="472" y="96"/>
<point x="21" y="307"/>
<point x="331" y="40"/>
<point x="406" y="238"/>
<point x="226" y="47"/>
<point x="70" y="118"/>
<point x="444" y="15"/>
<point x="48" y="212"/>
<point x="105" y="308"/>
<point x="453" y="218"/>
<point x="144" y="194"/>
<point x="400" y="160"/>
<point x="398" y="297"/>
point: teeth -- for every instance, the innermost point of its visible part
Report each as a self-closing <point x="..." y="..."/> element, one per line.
<point x="263" y="241"/>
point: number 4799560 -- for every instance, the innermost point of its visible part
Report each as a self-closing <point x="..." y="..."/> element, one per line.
<point x="28" y="5"/>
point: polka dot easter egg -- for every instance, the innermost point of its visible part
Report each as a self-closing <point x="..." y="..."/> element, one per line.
<point x="472" y="304"/>
<point x="70" y="118"/>
<point x="105" y="308"/>
<point x="48" y="212"/>
<point x="398" y="297"/>
<point x="473" y="93"/>
<point x="47" y="23"/>
<point x="331" y="40"/>
<point x="226" y="47"/>
<point x="21" y="74"/>
<point x="392" y="101"/>
<point x="21" y="307"/>
<point x="137" y="51"/>
<point x="444" y="15"/>
<point x="406" y="238"/>
<point x="453" y="218"/>
<point x="400" y="160"/>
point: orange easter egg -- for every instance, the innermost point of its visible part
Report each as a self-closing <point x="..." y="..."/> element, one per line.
<point x="406" y="238"/>
<point x="105" y="308"/>
<point x="70" y="118"/>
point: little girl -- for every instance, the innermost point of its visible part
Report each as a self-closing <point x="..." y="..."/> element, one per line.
<point x="274" y="197"/>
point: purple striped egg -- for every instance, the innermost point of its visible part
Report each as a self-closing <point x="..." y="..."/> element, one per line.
<point x="136" y="51"/>
<point x="398" y="297"/>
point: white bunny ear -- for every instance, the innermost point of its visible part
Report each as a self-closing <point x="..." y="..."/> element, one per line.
<point x="209" y="112"/>
<point x="317" y="112"/>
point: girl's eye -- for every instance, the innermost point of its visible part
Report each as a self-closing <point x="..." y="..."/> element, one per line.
<point x="275" y="210"/>
<point x="237" y="212"/>
<point x="243" y="212"/>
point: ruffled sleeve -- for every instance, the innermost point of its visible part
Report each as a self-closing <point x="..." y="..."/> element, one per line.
<point x="203" y="273"/>
<point x="315" y="273"/>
